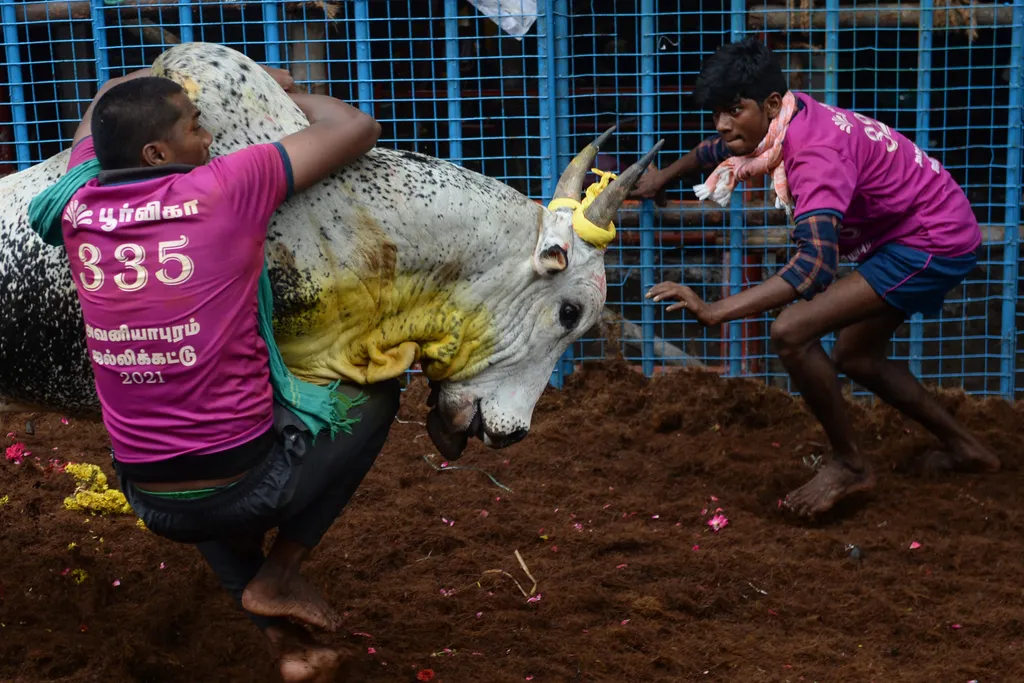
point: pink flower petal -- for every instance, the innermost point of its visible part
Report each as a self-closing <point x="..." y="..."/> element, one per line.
<point x="696" y="548"/>
<point x="956" y="627"/>
<point x="718" y="522"/>
<point x="915" y="545"/>
<point x="621" y="566"/>
<point x="624" y="622"/>
<point x="117" y="582"/>
<point x="64" y="420"/>
<point x="370" y="651"/>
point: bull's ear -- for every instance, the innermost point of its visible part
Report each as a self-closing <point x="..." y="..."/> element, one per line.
<point x="554" y="243"/>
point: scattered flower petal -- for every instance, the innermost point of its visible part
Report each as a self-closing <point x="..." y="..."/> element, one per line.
<point x="718" y="522"/>
<point x="16" y="453"/>
<point x="621" y="566"/>
<point x="64" y="420"/>
<point x="117" y="582"/>
<point x="163" y="566"/>
<point x="484" y="513"/>
<point x="956" y="627"/>
<point x="370" y="651"/>
<point x="361" y="633"/>
<point x="479" y="614"/>
<point x="696" y="548"/>
<point x="425" y="675"/>
<point x="714" y="499"/>
<point x="535" y="598"/>
<point x="624" y="622"/>
<point x="655" y="516"/>
<point x="915" y="545"/>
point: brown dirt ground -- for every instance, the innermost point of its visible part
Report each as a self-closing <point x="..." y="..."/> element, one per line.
<point x="607" y="510"/>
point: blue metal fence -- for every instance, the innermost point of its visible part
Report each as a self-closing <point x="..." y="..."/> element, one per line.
<point x="445" y="80"/>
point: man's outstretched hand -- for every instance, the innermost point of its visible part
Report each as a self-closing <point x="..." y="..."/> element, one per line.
<point x="684" y="298"/>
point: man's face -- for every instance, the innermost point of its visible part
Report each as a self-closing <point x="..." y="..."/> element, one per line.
<point x="745" y="123"/>
<point x="187" y="143"/>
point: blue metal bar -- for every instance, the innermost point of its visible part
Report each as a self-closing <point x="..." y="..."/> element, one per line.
<point x="832" y="52"/>
<point x="831" y="90"/>
<point x="737" y="244"/>
<point x="451" y="48"/>
<point x="185" y="21"/>
<point x="547" y="91"/>
<point x="99" y="41"/>
<point x="563" y="151"/>
<point x="16" y="85"/>
<point x="272" y="32"/>
<point x="561" y="24"/>
<point x="648" y="65"/>
<point x="921" y="134"/>
<point x="364" y="75"/>
<point x="1011" y="252"/>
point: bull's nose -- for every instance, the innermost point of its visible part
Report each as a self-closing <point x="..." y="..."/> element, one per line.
<point x="517" y="436"/>
<point x="505" y="440"/>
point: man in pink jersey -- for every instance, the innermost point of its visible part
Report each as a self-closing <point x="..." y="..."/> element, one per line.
<point x="166" y="246"/>
<point x="856" y="188"/>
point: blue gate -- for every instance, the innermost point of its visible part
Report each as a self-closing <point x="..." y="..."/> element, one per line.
<point x="447" y="80"/>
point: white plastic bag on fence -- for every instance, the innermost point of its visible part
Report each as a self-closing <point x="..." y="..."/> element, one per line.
<point x="515" y="17"/>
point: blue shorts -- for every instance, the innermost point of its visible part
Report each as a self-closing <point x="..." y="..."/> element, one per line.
<point x="914" y="281"/>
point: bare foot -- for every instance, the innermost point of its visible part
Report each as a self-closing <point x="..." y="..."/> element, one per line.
<point x="276" y="593"/>
<point x="967" y="455"/>
<point x="300" y="658"/>
<point x="831" y="484"/>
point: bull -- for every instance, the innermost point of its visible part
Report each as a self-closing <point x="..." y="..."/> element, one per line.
<point x="396" y="259"/>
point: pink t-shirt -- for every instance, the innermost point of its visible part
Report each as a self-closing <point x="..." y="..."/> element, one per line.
<point x="879" y="183"/>
<point x="166" y="271"/>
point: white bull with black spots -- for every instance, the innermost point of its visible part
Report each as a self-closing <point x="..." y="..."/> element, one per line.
<point x="395" y="259"/>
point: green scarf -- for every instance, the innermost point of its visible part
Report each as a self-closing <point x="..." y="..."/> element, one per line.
<point x="319" y="407"/>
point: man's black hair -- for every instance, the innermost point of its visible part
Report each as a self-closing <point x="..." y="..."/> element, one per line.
<point x="740" y="70"/>
<point x="131" y="115"/>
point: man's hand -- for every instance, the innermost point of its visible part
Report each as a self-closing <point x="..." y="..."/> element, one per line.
<point x="651" y="185"/>
<point x="283" y="78"/>
<point x="686" y="298"/>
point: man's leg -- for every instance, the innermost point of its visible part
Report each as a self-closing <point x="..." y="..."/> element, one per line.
<point x="796" y="335"/>
<point x="860" y="353"/>
<point x="331" y="473"/>
<point x="300" y="658"/>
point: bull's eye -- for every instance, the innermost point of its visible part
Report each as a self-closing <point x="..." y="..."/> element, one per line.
<point x="569" y="315"/>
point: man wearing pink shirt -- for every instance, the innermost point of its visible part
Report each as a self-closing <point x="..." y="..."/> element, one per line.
<point x="856" y="189"/>
<point x="166" y="247"/>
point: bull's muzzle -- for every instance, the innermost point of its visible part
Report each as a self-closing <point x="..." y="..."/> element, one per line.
<point x="451" y="443"/>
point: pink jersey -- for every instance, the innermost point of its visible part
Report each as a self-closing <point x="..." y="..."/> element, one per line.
<point x="879" y="183"/>
<point x="166" y="271"/>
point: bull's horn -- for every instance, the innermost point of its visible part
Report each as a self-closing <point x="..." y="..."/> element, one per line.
<point x="570" y="185"/>
<point x="606" y="205"/>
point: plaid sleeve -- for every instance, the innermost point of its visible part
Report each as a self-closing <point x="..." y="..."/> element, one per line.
<point x="712" y="152"/>
<point x="813" y="267"/>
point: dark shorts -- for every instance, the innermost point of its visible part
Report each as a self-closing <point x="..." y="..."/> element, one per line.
<point x="914" y="281"/>
<point x="298" y="484"/>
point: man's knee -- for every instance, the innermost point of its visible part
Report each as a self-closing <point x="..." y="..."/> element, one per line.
<point x="856" y="364"/>
<point x="787" y="336"/>
<point x="382" y="402"/>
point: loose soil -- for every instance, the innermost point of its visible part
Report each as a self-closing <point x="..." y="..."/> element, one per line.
<point x="609" y="508"/>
